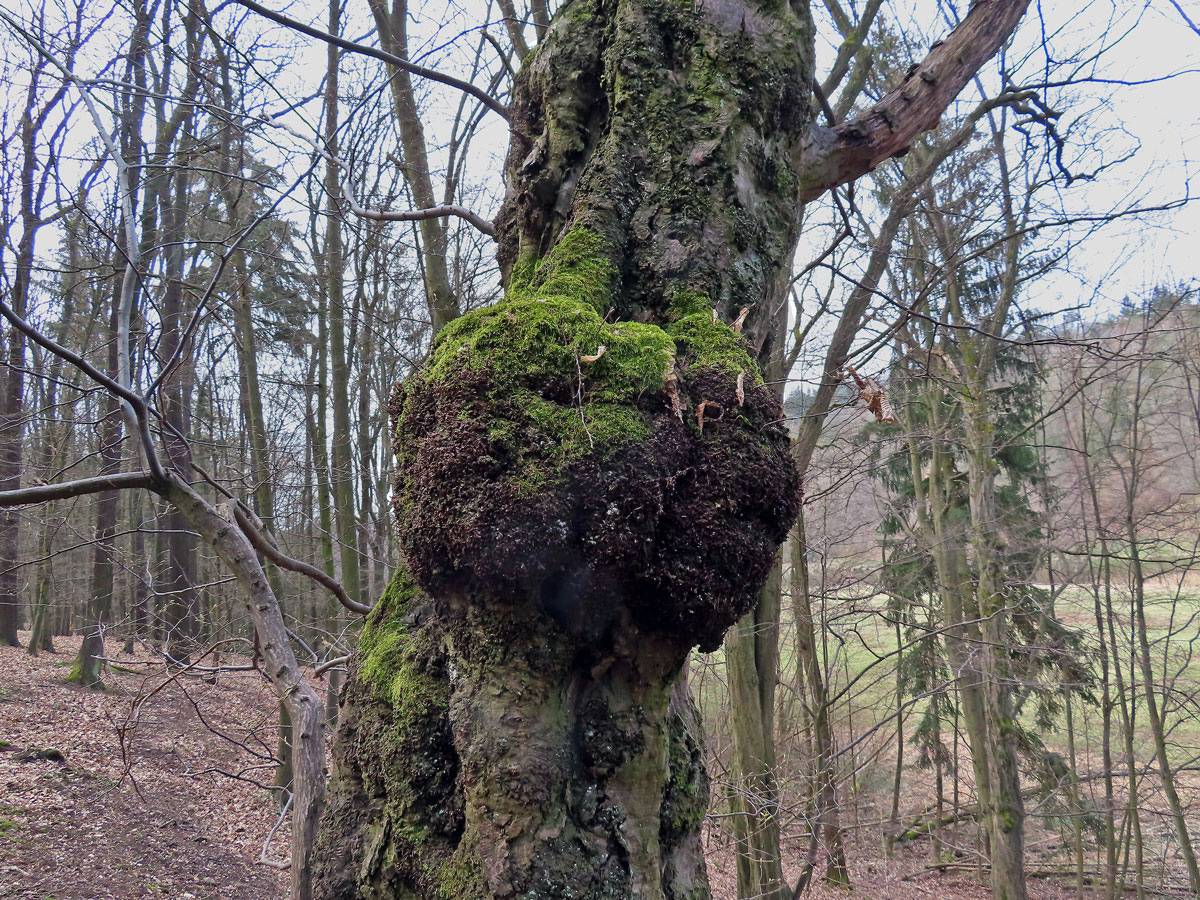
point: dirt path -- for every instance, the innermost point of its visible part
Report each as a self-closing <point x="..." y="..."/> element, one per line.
<point x="154" y="820"/>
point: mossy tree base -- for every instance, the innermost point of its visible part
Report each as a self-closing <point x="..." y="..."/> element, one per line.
<point x="495" y="758"/>
<point x="87" y="668"/>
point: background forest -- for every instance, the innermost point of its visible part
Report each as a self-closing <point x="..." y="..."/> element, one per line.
<point x="232" y="238"/>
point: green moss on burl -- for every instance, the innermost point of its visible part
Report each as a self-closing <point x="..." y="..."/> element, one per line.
<point x="536" y="348"/>
<point x="558" y="371"/>
<point x="538" y="343"/>
<point x="393" y="659"/>
<point x="577" y="269"/>
<point x="713" y="345"/>
<point x="541" y="445"/>
<point x="689" y="303"/>
<point x="460" y="877"/>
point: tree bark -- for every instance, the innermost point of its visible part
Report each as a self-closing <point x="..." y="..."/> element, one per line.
<point x="342" y="465"/>
<point x="591" y="476"/>
<point x="86" y="670"/>
<point x="182" y="616"/>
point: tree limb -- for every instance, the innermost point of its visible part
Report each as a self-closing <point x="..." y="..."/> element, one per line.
<point x="416" y="215"/>
<point x="42" y="493"/>
<point x="267" y="549"/>
<point x="833" y="156"/>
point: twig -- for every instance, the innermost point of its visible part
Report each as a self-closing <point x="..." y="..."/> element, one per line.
<point x="262" y="857"/>
<point x="399" y="62"/>
<point x="579" y="397"/>
<point x="417" y="215"/>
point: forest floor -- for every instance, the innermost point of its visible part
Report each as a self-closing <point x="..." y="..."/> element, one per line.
<point x="138" y="801"/>
<point x="134" y="803"/>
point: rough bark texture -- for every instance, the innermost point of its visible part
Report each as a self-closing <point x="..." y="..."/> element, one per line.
<point x="479" y="755"/>
<point x="592" y="478"/>
<point x="591" y="475"/>
<point x="670" y="130"/>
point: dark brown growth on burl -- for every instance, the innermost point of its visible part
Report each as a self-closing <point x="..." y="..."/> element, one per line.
<point x="655" y="478"/>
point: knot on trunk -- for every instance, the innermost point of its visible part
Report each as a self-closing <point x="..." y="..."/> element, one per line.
<point x="534" y="468"/>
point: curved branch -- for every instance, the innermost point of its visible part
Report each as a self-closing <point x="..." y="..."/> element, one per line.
<point x="267" y="549"/>
<point x="43" y="493"/>
<point x="399" y="62"/>
<point x="416" y="215"/>
<point x="331" y="664"/>
<point x="833" y="156"/>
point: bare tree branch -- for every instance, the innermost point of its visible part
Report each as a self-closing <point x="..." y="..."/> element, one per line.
<point x="833" y="156"/>
<point x="275" y="555"/>
<point x="416" y="215"/>
<point x="399" y="62"/>
<point x="42" y="493"/>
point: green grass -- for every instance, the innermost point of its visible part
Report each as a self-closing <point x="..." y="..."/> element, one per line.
<point x="855" y="638"/>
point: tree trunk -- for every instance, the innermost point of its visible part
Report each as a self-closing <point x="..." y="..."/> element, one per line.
<point x="752" y="663"/>
<point x="182" y="617"/>
<point x="537" y="698"/>
<point x="341" y="472"/>
<point x="1006" y="816"/>
<point x="889" y="839"/>
<point x="591" y="476"/>
<point x="827" y="829"/>
<point x="1166" y="774"/>
<point x="86" y="670"/>
<point x="12" y="392"/>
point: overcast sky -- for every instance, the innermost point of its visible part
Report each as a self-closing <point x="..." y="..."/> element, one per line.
<point x="1141" y="43"/>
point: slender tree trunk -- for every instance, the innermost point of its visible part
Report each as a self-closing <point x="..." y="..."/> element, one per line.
<point x="1166" y="772"/>
<point x="182" y="615"/>
<point x="752" y="663"/>
<point x="86" y="670"/>
<point x="392" y="25"/>
<point x="342" y="470"/>
<point x="1007" y="812"/>
<point x="894" y="818"/>
<point x="827" y="825"/>
<point x="12" y="393"/>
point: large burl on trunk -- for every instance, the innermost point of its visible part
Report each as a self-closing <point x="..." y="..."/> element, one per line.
<point x="592" y="477"/>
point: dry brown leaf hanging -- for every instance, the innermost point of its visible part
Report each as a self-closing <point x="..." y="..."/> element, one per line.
<point x="671" y="388"/>
<point x="703" y="405"/>
<point x="740" y="320"/>
<point x="872" y="394"/>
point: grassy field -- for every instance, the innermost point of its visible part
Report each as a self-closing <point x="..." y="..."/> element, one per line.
<point x="858" y="645"/>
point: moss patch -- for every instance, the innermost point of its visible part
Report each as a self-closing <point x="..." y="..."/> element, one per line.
<point x="703" y="343"/>
<point x="545" y="453"/>
<point x="459" y="877"/>
<point x="579" y="270"/>
<point x="395" y="809"/>
<point x="393" y="660"/>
